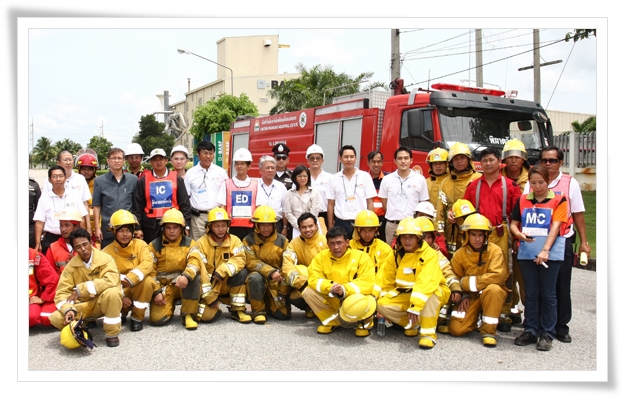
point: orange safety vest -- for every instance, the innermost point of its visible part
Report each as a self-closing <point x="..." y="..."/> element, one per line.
<point x="563" y="187"/>
<point x="160" y="194"/>
<point x="241" y="203"/>
<point x="526" y="206"/>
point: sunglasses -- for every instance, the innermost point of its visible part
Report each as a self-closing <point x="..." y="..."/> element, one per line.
<point x="281" y="157"/>
<point x="551" y="161"/>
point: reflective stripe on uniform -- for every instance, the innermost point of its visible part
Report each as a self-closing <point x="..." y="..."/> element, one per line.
<point x="489" y="320"/>
<point x="112" y="320"/>
<point x="355" y="287"/>
<point x="427" y="330"/>
<point x="91" y="287"/>
<point x="458" y="314"/>
<point x="331" y="318"/>
<point x="472" y="284"/>
<point x="420" y="296"/>
<point x="139" y="274"/>
<point x="319" y="284"/>
<point x="140" y="305"/>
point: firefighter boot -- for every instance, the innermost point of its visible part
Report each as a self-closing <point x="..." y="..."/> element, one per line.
<point x="189" y="322"/>
<point x="427" y="342"/>
<point x="241" y="316"/>
<point x="489" y="341"/>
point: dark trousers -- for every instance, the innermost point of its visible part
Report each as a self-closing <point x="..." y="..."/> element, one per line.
<point x="563" y="289"/>
<point x="540" y="313"/>
<point x="47" y="240"/>
<point x="347" y="224"/>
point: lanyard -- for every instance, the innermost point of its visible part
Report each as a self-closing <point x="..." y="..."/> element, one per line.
<point x="266" y="193"/>
<point x="344" y="185"/>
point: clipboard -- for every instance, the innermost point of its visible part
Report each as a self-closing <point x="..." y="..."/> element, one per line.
<point x="529" y="251"/>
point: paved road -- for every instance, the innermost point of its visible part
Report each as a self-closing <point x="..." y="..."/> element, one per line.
<point x="294" y="345"/>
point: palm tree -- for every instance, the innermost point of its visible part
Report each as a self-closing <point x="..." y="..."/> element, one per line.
<point x="43" y="152"/>
<point x="588" y="125"/>
<point x="67" y="144"/>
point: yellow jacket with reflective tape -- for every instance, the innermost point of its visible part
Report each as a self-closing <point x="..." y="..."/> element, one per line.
<point x="174" y="258"/>
<point x="474" y="278"/>
<point x="226" y="259"/>
<point x="135" y="261"/>
<point x="264" y="255"/>
<point x="301" y="251"/>
<point x="354" y="271"/>
<point x="451" y="189"/>
<point x="379" y="251"/>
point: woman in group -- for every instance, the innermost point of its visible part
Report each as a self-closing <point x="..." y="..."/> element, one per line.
<point x="300" y="199"/>
<point x="536" y="222"/>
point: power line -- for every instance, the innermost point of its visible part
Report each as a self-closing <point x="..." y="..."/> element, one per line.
<point x="560" y="76"/>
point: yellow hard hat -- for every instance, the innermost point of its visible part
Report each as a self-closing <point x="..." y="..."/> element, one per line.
<point x="477" y="222"/>
<point x="425" y="224"/>
<point x="67" y="337"/>
<point x="367" y="218"/>
<point x="70" y="214"/>
<point x="408" y="226"/>
<point x="462" y="208"/>
<point x="120" y="218"/>
<point x="73" y="335"/>
<point x="264" y="214"/>
<point x="173" y="215"/>
<point x="514" y="147"/>
<point x="459" y="148"/>
<point x="356" y="308"/>
<point x="217" y="214"/>
<point x="437" y="155"/>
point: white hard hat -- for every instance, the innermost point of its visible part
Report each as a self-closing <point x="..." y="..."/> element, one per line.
<point x="314" y="149"/>
<point x="179" y="148"/>
<point x="425" y="207"/>
<point x="157" y="152"/>
<point x="243" y="154"/>
<point x="134" y="148"/>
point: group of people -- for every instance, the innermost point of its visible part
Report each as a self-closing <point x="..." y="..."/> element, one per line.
<point x="450" y="253"/>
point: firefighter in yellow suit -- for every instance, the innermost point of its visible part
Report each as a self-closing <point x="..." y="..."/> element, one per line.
<point x="89" y="288"/>
<point x="264" y="253"/>
<point x="437" y="160"/>
<point x="337" y="276"/>
<point x="223" y="273"/>
<point x="413" y="291"/>
<point x="364" y="239"/>
<point x="482" y="273"/>
<point x="452" y="188"/>
<point x="135" y="263"/>
<point x="298" y="256"/>
<point x="176" y="271"/>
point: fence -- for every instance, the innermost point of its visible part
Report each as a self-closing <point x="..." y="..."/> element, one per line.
<point x="580" y="161"/>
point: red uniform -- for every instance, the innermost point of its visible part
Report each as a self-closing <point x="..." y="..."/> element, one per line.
<point x="42" y="280"/>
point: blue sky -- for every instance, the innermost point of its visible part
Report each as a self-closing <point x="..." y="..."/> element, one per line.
<point x="80" y="78"/>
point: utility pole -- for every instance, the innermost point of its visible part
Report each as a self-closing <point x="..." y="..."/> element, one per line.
<point x="479" y="78"/>
<point x="536" y="64"/>
<point x="395" y="60"/>
<point x="32" y="134"/>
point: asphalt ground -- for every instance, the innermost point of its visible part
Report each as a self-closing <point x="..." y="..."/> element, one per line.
<point x="257" y="350"/>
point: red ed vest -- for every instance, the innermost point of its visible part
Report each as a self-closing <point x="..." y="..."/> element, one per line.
<point x="58" y="255"/>
<point x="160" y="194"/>
<point x="539" y="216"/>
<point x="241" y="203"/>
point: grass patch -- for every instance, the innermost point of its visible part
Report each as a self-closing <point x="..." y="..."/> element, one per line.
<point x="590" y="204"/>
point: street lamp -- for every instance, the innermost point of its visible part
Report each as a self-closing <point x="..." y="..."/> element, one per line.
<point x="216" y="63"/>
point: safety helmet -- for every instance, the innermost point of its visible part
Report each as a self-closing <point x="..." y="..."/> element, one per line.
<point x="70" y="214"/>
<point x="120" y="218"/>
<point x="217" y="214"/>
<point x="355" y="309"/>
<point x="437" y="155"/>
<point x="87" y="160"/>
<point x="314" y="149"/>
<point x="134" y="148"/>
<point x="514" y="147"/>
<point x="73" y="335"/>
<point x="459" y="148"/>
<point x="157" y="152"/>
<point x="242" y="154"/>
<point x="367" y="218"/>
<point x="180" y="148"/>
<point x="264" y="214"/>
<point x="477" y="222"/>
<point x="425" y="207"/>
<point x="173" y="215"/>
<point x="409" y="226"/>
<point x="462" y="208"/>
<point x="425" y="224"/>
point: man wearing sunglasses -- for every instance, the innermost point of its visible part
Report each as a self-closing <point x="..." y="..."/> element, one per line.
<point x="282" y="154"/>
<point x="551" y="157"/>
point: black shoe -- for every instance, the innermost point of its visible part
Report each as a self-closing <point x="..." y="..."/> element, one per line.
<point x="136" y="325"/>
<point x="566" y="338"/>
<point x="515" y="318"/>
<point x="544" y="343"/>
<point x="124" y="320"/>
<point x="525" y="339"/>
<point x="504" y="326"/>
<point x="112" y="342"/>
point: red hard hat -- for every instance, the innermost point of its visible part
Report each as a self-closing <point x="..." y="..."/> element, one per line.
<point x="87" y="160"/>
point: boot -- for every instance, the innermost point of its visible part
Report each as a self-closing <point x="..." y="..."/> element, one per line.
<point x="189" y="322"/>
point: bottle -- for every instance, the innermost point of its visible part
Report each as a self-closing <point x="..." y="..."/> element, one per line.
<point x="583" y="259"/>
<point x="380" y="327"/>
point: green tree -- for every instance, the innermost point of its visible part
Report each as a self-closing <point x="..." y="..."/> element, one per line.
<point x="580" y="34"/>
<point x="217" y="115"/>
<point x="101" y="146"/>
<point x="151" y="135"/>
<point x="588" y="125"/>
<point x="67" y="144"/>
<point x="316" y="86"/>
<point x="43" y="153"/>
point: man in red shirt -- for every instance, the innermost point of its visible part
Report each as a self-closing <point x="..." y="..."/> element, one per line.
<point x="494" y="196"/>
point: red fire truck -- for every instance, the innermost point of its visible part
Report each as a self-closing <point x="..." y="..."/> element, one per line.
<point x="420" y="120"/>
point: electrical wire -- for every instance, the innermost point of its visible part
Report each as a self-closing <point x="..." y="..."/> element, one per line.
<point x="560" y="76"/>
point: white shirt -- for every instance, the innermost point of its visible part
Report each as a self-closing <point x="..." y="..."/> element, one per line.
<point x="350" y="196"/>
<point x="203" y="185"/>
<point x="402" y="195"/>
<point x="221" y="198"/>
<point x="74" y="182"/>
<point x="271" y="195"/>
<point x="321" y="184"/>
<point x="50" y="205"/>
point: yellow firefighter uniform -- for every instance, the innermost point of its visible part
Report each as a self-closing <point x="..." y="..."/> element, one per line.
<point x="179" y="258"/>
<point x="265" y="256"/>
<point x="228" y="260"/>
<point x="379" y="251"/>
<point x="414" y="283"/>
<point x="99" y="292"/>
<point x="354" y="271"/>
<point x="300" y="252"/>
<point x="482" y="280"/>
<point x="135" y="263"/>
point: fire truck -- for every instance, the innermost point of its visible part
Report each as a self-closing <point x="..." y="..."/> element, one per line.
<point x="421" y="120"/>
